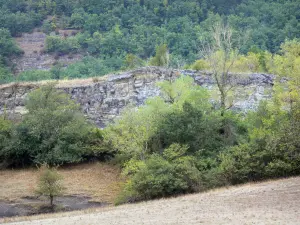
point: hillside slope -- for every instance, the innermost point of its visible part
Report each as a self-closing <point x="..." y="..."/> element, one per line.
<point x="35" y="58"/>
<point x="273" y="202"/>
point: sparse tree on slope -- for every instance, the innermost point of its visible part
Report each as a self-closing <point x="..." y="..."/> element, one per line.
<point x="50" y="184"/>
<point x="221" y="55"/>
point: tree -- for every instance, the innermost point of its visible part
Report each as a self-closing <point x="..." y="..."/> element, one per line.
<point x="132" y="134"/>
<point x="161" y="57"/>
<point x="5" y="134"/>
<point x="54" y="131"/>
<point x="287" y="66"/>
<point x="7" y="44"/>
<point x="50" y="184"/>
<point x="221" y="54"/>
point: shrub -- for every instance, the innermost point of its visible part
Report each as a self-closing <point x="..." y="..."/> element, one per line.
<point x="200" y="65"/>
<point x="162" y="176"/>
<point x="5" y="74"/>
<point x="50" y="183"/>
<point x="132" y="61"/>
<point x="34" y="75"/>
<point x="56" y="44"/>
<point x="161" y="57"/>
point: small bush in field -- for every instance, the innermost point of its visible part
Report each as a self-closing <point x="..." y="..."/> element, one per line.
<point x="50" y="183"/>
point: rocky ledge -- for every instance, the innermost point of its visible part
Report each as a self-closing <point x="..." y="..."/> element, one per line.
<point x="103" y="99"/>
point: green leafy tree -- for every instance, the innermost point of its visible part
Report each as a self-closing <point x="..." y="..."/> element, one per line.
<point x="7" y="44"/>
<point x="53" y="131"/>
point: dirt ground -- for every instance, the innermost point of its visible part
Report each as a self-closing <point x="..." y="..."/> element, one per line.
<point x="100" y="181"/>
<point x="272" y="202"/>
<point x="87" y="186"/>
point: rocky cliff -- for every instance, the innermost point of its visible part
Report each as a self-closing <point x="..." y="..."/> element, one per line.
<point x="103" y="99"/>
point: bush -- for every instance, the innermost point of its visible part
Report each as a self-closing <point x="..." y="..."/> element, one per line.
<point x="190" y="126"/>
<point x="34" y="75"/>
<point x="56" y="44"/>
<point x="5" y="134"/>
<point x="50" y="184"/>
<point x="5" y="74"/>
<point x="8" y="45"/>
<point x="161" y="57"/>
<point x="200" y="65"/>
<point x="132" y="61"/>
<point x="162" y="176"/>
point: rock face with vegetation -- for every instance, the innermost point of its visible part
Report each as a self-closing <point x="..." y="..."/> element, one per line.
<point x="35" y="57"/>
<point x="102" y="100"/>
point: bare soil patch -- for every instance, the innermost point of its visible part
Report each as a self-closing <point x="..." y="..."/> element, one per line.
<point x="272" y="202"/>
<point x="32" y="206"/>
<point x="33" y="44"/>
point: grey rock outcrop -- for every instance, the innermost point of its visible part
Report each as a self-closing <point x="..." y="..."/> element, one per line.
<point x="102" y="100"/>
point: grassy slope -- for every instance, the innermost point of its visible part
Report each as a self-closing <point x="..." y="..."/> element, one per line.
<point x="98" y="180"/>
<point x="271" y="202"/>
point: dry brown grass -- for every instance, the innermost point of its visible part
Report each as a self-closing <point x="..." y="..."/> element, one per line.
<point x="60" y="83"/>
<point x="271" y="202"/>
<point x="98" y="180"/>
<point x="33" y="44"/>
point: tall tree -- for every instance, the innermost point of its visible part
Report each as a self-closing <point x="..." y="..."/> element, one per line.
<point x="221" y="53"/>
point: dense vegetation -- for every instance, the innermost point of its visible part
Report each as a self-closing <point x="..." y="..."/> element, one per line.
<point x="179" y="142"/>
<point x="53" y="131"/>
<point x="113" y="32"/>
<point x="188" y="145"/>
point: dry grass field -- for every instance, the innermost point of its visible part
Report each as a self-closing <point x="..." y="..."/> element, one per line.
<point x="97" y="180"/>
<point x="272" y="202"/>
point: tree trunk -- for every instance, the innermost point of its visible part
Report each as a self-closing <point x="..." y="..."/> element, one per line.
<point x="223" y="103"/>
<point x="51" y="200"/>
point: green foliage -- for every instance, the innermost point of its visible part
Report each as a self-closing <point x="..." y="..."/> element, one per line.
<point x="200" y="64"/>
<point x="59" y="45"/>
<point x="7" y="44"/>
<point x="53" y="131"/>
<point x="50" y="183"/>
<point x="182" y="90"/>
<point x="160" y="176"/>
<point x="170" y="145"/>
<point x="34" y="75"/>
<point x="5" y="74"/>
<point x="140" y="131"/>
<point x="116" y="29"/>
<point x="144" y="24"/>
<point x="92" y="67"/>
<point x="190" y="127"/>
<point x="5" y="133"/>
<point x="272" y="150"/>
<point x="161" y="57"/>
<point x="132" y="61"/>
<point x="173" y="145"/>
<point x="177" y="141"/>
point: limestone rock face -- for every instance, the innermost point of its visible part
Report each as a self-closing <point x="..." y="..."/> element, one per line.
<point x="101" y="101"/>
